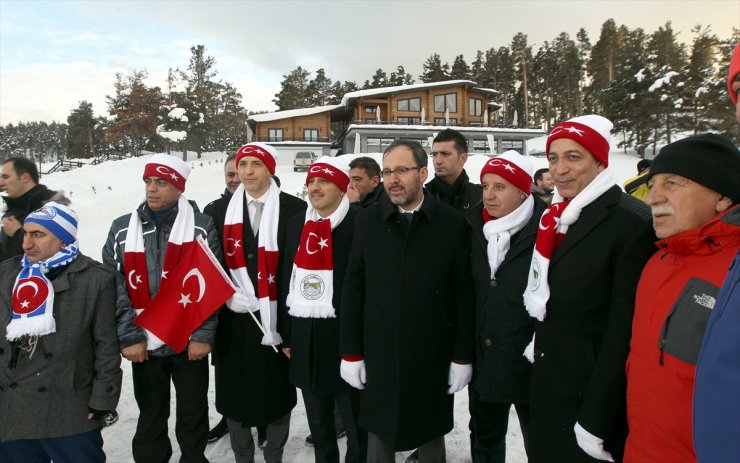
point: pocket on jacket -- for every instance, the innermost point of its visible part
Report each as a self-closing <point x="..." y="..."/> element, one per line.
<point x="684" y="326"/>
<point x="64" y="383"/>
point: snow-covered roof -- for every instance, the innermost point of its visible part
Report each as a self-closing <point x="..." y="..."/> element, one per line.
<point x="291" y="113"/>
<point x="408" y="88"/>
<point x="434" y="128"/>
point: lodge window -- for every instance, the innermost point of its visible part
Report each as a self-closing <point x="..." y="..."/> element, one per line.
<point x="475" y="107"/>
<point x="442" y="121"/>
<point x="444" y="102"/>
<point x="409" y="104"/>
<point x="275" y="134"/>
<point x="378" y="145"/>
<point x="371" y="109"/>
<point x="311" y="134"/>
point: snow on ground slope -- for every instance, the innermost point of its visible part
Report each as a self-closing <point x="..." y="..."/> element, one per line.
<point x="101" y="193"/>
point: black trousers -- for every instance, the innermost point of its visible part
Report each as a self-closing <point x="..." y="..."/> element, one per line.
<point x="320" y="414"/>
<point x="152" y="378"/>
<point x="489" y="423"/>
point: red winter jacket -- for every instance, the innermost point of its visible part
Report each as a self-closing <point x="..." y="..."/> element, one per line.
<point x="676" y="293"/>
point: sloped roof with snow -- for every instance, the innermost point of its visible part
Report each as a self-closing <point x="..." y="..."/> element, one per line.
<point x="291" y="113"/>
<point x="408" y="88"/>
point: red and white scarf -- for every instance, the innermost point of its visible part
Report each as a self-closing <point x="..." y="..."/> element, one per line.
<point x="268" y="255"/>
<point x="554" y="224"/>
<point x="312" y="278"/>
<point x="498" y="231"/>
<point x="134" y="257"/>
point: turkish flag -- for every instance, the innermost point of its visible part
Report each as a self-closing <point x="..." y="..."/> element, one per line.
<point x="192" y="292"/>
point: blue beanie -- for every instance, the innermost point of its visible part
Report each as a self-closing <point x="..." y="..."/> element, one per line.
<point x="59" y="219"/>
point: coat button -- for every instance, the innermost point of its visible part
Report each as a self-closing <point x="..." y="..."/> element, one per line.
<point x="538" y="353"/>
<point x="13" y="385"/>
<point x="49" y="356"/>
<point x="42" y="389"/>
<point x="2" y="351"/>
<point x="250" y="256"/>
<point x="109" y="389"/>
<point x="494" y="283"/>
<point x="487" y="342"/>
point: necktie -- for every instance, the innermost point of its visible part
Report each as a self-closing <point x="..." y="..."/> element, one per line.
<point x="258" y="206"/>
<point x="408" y="216"/>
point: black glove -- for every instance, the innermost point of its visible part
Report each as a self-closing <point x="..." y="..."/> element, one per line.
<point x="98" y="414"/>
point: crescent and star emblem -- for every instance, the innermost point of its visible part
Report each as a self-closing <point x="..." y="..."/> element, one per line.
<point x="32" y="284"/>
<point x="185" y="298"/>
<point x="234" y="247"/>
<point x="321" y="242"/>
<point x="315" y="169"/>
<point x="32" y="303"/>
<point x="132" y="283"/>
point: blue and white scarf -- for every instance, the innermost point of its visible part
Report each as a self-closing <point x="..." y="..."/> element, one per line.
<point x="33" y="295"/>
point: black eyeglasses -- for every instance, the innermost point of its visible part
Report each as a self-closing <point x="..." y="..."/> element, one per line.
<point x="399" y="171"/>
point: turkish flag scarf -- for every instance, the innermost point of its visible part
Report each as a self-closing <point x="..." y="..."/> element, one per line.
<point x="134" y="257"/>
<point x="312" y="279"/>
<point x="554" y="224"/>
<point x="264" y="298"/>
<point x="192" y="292"/>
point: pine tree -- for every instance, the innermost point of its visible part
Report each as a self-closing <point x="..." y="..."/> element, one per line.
<point x="434" y="70"/>
<point x="319" y="90"/>
<point x="602" y="66"/>
<point x="133" y="109"/>
<point x="81" y="123"/>
<point x="203" y="92"/>
<point x="293" y="90"/>
<point x="522" y="54"/>
<point x="400" y="77"/>
<point x="460" y="69"/>
<point x="379" y="80"/>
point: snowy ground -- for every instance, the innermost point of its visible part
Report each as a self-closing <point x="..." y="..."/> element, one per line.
<point x="101" y="193"/>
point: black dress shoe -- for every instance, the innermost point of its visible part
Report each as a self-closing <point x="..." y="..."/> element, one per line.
<point x="340" y="434"/>
<point x="218" y="431"/>
<point x="413" y="458"/>
<point x="110" y="418"/>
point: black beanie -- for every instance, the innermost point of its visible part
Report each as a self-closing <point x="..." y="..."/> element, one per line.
<point x="708" y="159"/>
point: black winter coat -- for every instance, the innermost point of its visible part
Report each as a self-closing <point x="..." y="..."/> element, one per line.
<point x="581" y="347"/>
<point x="251" y="379"/>
<point x="19" y="208"/>
<point x="314" y="342"/>
<point x="461" y="195"/>
<point x="503" y="327"/>
<point x="407" y="308"/>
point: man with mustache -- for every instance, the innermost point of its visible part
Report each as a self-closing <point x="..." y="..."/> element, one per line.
<point x="406" y="317"/>
<point x="694" y="190"/>
<point x="591" y="246"/>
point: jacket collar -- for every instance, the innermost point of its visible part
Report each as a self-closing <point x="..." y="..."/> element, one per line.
<point x="428" y="207"/>
<point x="720" y="232"/>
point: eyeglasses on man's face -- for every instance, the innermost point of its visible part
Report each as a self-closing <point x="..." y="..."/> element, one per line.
<point x="399" y="171"/>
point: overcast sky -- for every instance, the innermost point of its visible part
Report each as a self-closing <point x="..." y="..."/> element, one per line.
<point x="53" y="54"/>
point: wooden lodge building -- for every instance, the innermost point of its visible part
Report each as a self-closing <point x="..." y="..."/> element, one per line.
<point x="367" y="121"/>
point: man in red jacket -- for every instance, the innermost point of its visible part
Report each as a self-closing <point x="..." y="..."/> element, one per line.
<point x="694" y="190"/>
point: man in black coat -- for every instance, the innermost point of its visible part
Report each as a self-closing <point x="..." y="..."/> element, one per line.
<point x="23" y="194"/>
<point x="502" y="234"/>
<point x="317" y="249"/>
<point x="450" y="183"/>
<point x="406" y="320"/>
<point x="252" y="387"/>
<point x="217" y="207"/>
<point x="591" y="246"/>
<point x="365" y="187"/>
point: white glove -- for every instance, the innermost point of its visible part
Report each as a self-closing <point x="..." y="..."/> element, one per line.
<point x="238" y="303"/>
<point x="591" y="444"/>
<point x="353" y="373"/>
<point x="459" y="377"/>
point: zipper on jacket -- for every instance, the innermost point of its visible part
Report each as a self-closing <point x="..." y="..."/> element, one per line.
<point x="662" y="345"/>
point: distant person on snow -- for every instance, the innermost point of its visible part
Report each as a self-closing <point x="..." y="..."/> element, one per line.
<point x="637" y="186"/>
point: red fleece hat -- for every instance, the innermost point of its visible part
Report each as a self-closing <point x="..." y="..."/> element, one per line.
<point x="173" y="170"/>
<point x="333" y="169"/>
<point x="513" y="167"/>
<point x="734" y="71"/>
<point x="262" y="151"/>
<point x="593" y="132"/>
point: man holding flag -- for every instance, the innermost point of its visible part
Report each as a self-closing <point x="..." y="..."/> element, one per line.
<point x="317" y="249"/>
<point x="168" y="289"/>
<point x="252" y="387"/>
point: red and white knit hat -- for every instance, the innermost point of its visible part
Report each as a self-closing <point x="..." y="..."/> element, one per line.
<point x="593" y="132"/>
<point x="170" y="168"/>
<point x="262" y="151"/>
<point x="513" y="167"/>
<point x="336" y="170"/>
